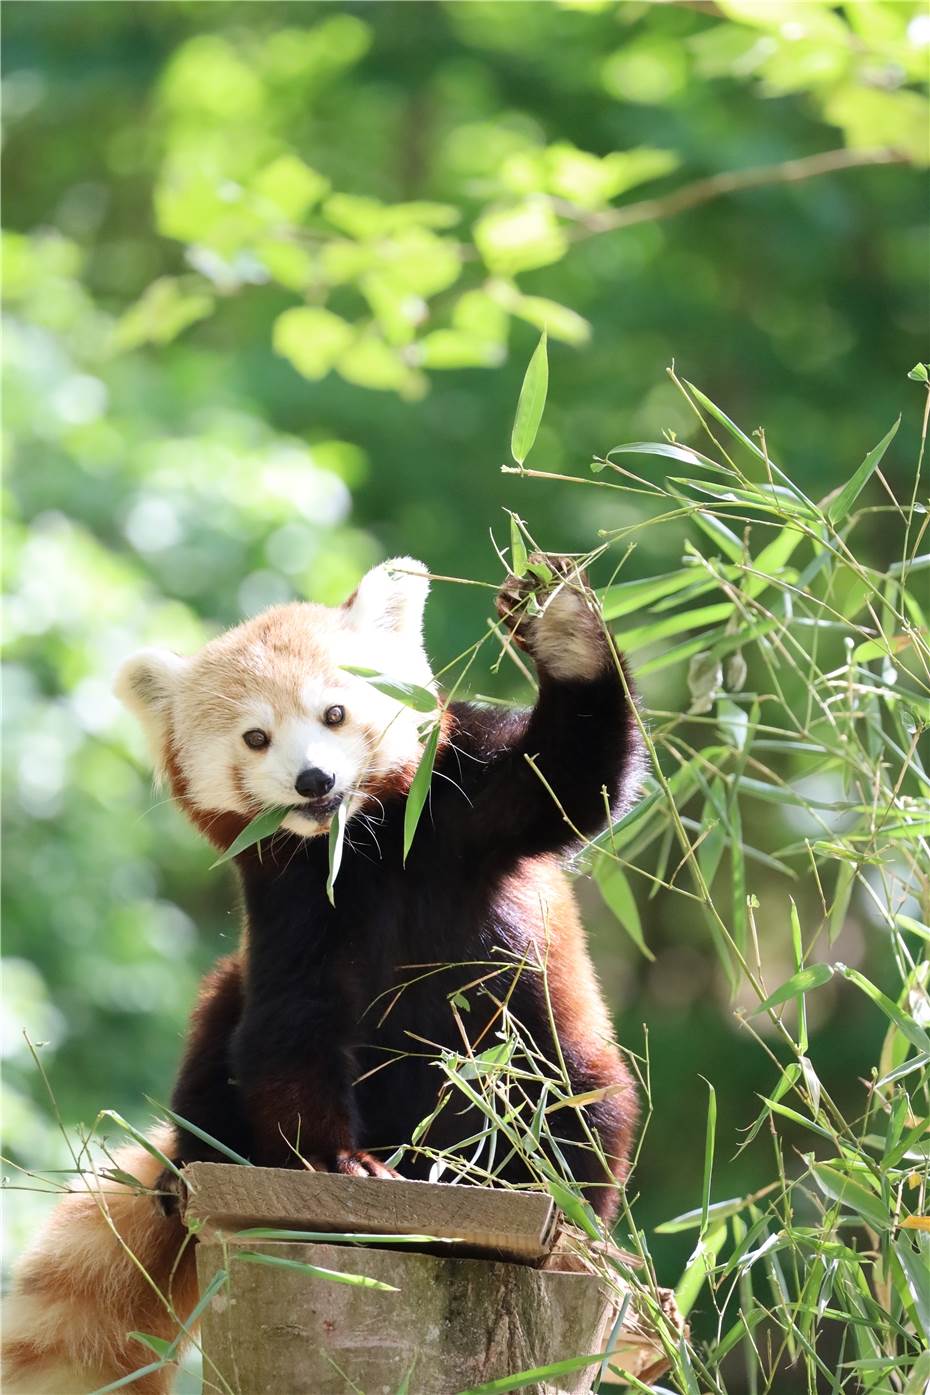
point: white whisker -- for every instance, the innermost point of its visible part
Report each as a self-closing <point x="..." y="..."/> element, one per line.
<point x="443" y="776"/>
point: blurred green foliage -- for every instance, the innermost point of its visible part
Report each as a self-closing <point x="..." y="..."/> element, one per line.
<point x="259" y="261"/>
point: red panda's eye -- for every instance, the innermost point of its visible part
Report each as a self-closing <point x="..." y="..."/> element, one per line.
<point x="256" y="739"/>
<point x="334" y="715"/>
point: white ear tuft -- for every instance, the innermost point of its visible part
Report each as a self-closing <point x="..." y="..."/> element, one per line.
<point x="146" y="684"/>
<point x="391" y="598"/>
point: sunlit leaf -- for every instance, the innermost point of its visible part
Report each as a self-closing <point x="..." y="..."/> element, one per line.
<point x="851" y="1194"/>
<point x="290" y="185"/>
<point x="699" y="1268"/>
<point x="531" y="403"/>
<point x="410" y="694"/>
<point x="519" y="239"/>
<point x="802" y="982"/>
<point x="168" y="307"/>
<point x="850" y="492"/>
<point x="312" y="338"/>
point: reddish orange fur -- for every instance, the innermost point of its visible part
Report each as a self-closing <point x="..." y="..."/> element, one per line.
<point x="81" y="1289"/>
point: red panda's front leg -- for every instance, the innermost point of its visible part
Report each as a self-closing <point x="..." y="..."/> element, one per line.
<point x="297" y="1090"/>
<point x="575" y="757"/>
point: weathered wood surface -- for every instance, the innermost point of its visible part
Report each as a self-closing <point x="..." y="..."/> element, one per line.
<point x="455" y="1322"/>
<point x="506" y="1224"/>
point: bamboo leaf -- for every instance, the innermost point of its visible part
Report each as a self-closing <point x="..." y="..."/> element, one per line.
<point x="419" y="788"/>
<point x="687" y="1370"/>
<point x="717" y="1211"/>
<point x="522" y="1379"/>
<point x="709" y="1137"/>
<point x="905" y="1025"/>
<point x="795" y="1117"/>
<point x="812" y="1081"/>
<point x="723" y="536"/>
<point x="916" y="927"/>
<point x="851" y="490"/>
<point x="885" y="648"/>
<point x="130" y="1379"/>
<point x="916" y="1268"/>
<point x="577" y="1210"/>
<point x="410" y="694"/>
<point x="679" y="622"/>
<point x="615" y="888"/>
<point x="531" y="403"/>
<point x="330" y="1237"/>
<point x="699" y="1268"/>
<point x="628" y="596"/>
<point x="518" y="557"/>
<point x="262" y="826"/>
<point x="805" y="504"/>
<point x="200" y="1133"/>
<point x="337" y="833"/>
<point x="685" y="454"/>
<point x="220" y="1278"/>
<point x="140" y="1138"/>
<point x="918" y="1381"/>
<point x="335" y="1276"/>
<point x="773" y="557"/>
<point x="159" y="1345"/>
<point x="851" y="1194"/>
<point x="802" y="982"/>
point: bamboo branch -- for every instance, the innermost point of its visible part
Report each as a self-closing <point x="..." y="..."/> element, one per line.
<point x="715" y="186"/>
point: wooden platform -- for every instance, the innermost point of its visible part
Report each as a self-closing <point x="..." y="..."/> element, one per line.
<point x="437" y="1316"/>
<point x="481" y="1221"/>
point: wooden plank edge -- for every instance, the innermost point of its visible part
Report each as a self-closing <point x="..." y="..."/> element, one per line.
<point x="224" y="1198"/>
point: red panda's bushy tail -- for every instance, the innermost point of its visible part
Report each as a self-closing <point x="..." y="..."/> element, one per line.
<point x="80" y="1289"/>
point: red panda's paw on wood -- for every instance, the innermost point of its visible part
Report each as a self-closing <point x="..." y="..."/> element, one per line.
<point x="359" y="1164"/>
<point x="555" y="620"/>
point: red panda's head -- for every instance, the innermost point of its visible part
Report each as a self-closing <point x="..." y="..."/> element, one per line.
<point x="266" y="715"/>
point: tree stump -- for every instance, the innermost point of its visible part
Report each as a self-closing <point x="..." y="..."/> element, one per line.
<point x="453" y="1320"/>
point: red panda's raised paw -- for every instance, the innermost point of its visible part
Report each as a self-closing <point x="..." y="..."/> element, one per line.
<point x="515" y="598"/>
<point x="554" y="618"/>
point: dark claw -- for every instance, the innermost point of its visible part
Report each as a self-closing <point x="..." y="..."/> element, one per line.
<point x="516" y="591"/>
<point x="361" y="1164"/>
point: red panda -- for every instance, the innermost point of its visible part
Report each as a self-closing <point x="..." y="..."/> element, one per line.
<point x="285" y="1061"/>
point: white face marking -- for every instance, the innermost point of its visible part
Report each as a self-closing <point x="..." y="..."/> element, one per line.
<point x="376" y="737"/>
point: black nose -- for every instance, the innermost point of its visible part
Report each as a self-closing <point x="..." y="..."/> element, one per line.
<point x="312" y="783"/>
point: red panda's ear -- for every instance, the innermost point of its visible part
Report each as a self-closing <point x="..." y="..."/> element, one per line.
<point x="391" y="598"/>
<point x="146" y="684"/>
